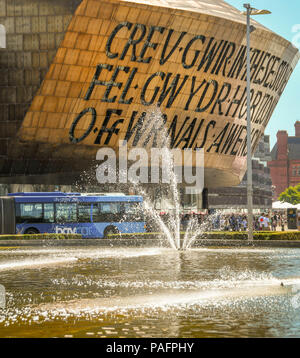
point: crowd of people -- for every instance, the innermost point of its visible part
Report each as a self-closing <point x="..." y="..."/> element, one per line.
<point x="239" y="222"/>
<point x="271" y="221"/>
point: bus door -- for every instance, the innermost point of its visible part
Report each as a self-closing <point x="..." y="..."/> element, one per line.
<point x="7" y="215"/>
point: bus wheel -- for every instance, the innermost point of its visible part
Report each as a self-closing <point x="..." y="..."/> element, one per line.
<point x="110" y="230"/>
<point x="31" y="231"/>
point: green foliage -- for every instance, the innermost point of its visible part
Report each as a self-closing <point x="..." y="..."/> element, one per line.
<point x="215" y="235"/>
<point x="291" y="195"/>
<point x="220" y="235"/>
<point x="260" y="235"/>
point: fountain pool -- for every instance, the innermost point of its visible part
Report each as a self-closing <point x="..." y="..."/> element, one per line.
<point x="150" y="292"/>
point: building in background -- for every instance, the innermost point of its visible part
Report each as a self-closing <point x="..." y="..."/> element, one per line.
<point x="285" y="161"/>
<point x="236" y="197"/>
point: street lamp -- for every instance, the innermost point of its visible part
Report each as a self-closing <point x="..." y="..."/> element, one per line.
<point x="250" y="11"/>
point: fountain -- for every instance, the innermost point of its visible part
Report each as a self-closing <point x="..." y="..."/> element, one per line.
<point x="170" y="229"/>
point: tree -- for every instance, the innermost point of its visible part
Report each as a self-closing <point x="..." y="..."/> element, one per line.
<point x="291" y="195"/>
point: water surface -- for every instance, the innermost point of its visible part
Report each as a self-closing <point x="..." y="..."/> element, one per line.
<point x="150" y="292"/>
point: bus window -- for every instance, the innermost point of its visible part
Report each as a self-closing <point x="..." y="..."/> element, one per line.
<point x="66" y="212"/>
<point x="84" y="212"/>
<point x="96" y="214"/>
<point x="29" y="212"/>
<point x="107" y="212"/>
<point x="48" y="213"/>
<point x="110" y="208"/>
<point x="133" y="212"/>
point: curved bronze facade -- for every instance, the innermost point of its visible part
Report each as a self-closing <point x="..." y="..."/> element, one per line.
<point x="119" y="59"/>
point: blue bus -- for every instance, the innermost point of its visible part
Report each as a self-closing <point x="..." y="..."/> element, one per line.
<point x="91" y="215"/>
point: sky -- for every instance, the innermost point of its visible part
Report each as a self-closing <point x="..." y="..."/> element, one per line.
<point x="285" y="15"/>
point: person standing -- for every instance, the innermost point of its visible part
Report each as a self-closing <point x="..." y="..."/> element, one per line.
<point x="261" y="221"/>
<point x="282" y="222"/>
<point x="232" y="222"/>
<point x="244" y="223"/>
<point x="274" y="222"/>
<point x="266" y="223"/>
